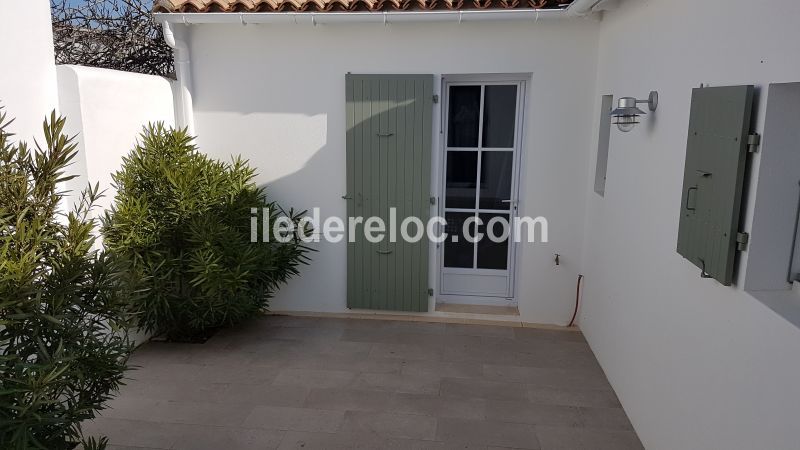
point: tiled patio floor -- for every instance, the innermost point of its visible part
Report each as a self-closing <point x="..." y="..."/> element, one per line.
<point x="320" y="383"/>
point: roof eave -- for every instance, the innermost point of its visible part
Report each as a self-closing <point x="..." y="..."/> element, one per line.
<point x="386" y="17"/>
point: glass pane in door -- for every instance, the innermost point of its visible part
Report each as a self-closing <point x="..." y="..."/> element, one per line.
<point x="458" y="252"/>
<point x="463" y="116"/>
<point x="496" y="170"/>
<point x="461" y="179"/>
<point x="494" y="255"/>
<point x="499" y="115"/>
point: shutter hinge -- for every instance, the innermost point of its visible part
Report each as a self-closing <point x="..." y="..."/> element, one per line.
<point x="742" y="239"/>
<point x="430" y="292"/>
<point x="435" y="98"/>
<point x="753" y="142"/>
<point x="433" y="200"/>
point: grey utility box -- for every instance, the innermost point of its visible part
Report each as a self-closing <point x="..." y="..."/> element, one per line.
<point x="716" y="155"/>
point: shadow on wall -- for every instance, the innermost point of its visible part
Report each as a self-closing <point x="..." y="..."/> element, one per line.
<point x="301" y="162"/>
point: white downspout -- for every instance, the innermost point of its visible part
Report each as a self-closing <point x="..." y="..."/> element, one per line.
<point x="582" y="7"/>
<point x="183" y="111"/>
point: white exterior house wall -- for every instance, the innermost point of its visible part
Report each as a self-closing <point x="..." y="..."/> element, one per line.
<point x="28" y="75"/>
<point x="276" y="95"/>
<point x="107" y="110"/>
<point x="697" y="365"/>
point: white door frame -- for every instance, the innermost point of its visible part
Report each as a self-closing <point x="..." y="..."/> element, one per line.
<point x="438" y="182"/>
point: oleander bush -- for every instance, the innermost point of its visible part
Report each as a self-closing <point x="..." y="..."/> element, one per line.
<point x="183" y="221"/>
<point x="63" y="302"/>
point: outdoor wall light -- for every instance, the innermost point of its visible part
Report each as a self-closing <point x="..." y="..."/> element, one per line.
<point x="626" y="116"/>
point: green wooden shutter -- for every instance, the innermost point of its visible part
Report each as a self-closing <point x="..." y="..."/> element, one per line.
<point x="716" y="154"/>
<point x="389" y="120"/>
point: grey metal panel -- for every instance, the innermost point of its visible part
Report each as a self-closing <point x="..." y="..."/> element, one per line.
<point x="607" y="103"/>
<point x="389" y="151"/>
<point x="775" y="210"/>
<point x="716" y="154"/>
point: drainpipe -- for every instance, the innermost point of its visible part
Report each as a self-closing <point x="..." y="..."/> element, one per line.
<point x="583" y="7"/>
<point x="183" y="111"/>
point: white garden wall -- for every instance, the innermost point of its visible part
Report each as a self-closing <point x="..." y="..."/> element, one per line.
<point x="28" y="72"/>
<point x="107" y="109"/>
<point x="275" y="94"/>
<point x="696" y="365"/>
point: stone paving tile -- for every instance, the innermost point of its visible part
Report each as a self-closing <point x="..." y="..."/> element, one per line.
<point x="484" y="432"/>
<point x="446" y="369"/>
<point x="347" y="363"/>
<point x="302" y="382"/>
<point x="597" y="398"/>
<point x="605" y="418"/>
<point x="268" y="395"/>
<point x="352" y="441"/>
<point x="127" y="447"/>
<point x="436" y="406"/>
<point x="557" y="438"/>
<point x="315" y="378"/>
<point x="390" y="425"/>
<point x="409" y="326"/>
<point x="539" y="335"/>
<point x="531" y="413"/>
<point x="199" y="413"/>
<point x="413" y="384"/>
<point x="409" y="352"/>
<point x="196" y="437"/>
<point x="314" y="333"/>
<point x="392" y="337"/>
<point x="479" y="330"/>
<point x="172" y="390"/>
<point x="294" y="419"/>
<point x="133" y="433"/>
<point x="547" y="377"/>
<point x="467" y="388"/>
<point x="349" y="400"/>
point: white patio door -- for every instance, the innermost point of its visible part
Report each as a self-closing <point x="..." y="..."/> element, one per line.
<point x="482" y="138"/>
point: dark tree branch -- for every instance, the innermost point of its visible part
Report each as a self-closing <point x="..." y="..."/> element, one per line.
<point x="112" y="34"/>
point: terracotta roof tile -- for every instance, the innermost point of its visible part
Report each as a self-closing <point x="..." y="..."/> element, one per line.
<point x="199" y="6"/>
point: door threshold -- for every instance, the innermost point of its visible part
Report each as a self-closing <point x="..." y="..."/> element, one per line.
<point x="491" y="310"/>
<point x="431" y="317"/>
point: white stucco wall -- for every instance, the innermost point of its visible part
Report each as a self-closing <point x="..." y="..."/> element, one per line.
<point x="107" y="109"/>
<point x="28" y="73"/>
<point x="696" y="365"/>
<point x="275" y="94"/>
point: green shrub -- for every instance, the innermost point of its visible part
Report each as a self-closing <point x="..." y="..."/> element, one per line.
<point x="182" y="219"/>
<point x="62" y="302"/>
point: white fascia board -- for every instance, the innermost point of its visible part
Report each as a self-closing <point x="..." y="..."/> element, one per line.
<point x="385" y="17"/>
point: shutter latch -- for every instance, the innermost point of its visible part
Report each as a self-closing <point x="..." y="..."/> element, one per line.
<point x="435" y="98"/>
<point x="430" y="292"/>
<point x="753" y="142"/>
<point x="742" y="239"/>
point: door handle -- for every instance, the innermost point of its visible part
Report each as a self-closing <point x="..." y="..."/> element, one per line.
<point x="384" y="252"/>
<point x="513" y="203"/>
<point x="386" y="134"/>
<point x="688" y="192"/>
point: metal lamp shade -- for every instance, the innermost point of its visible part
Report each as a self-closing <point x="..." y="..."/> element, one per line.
<point x="627" y="107"/>
<point x="626" y="116"/>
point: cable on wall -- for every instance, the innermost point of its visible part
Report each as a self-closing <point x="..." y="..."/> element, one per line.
<point x="577" y="300"/>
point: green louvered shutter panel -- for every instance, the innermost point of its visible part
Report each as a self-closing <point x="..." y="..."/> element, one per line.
<point x="716" y="155"/>
<point x="389" y="121"/>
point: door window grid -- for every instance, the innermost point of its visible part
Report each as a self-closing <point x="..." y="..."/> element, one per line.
<point x="477" y="211"/>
